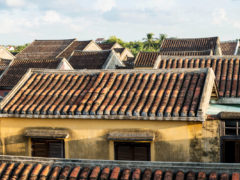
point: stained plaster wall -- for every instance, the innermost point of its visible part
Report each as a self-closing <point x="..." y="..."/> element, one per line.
<point x="174" y="141"/>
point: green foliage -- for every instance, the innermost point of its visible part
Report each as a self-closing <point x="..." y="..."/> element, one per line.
<point x="20" y="48"/>
<point x="148" y="44"/>
<point x="114" y="39"/>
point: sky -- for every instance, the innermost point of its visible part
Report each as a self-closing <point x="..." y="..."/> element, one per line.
<point x="22" y="21"/>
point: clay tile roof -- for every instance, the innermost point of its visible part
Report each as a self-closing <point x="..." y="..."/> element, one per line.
<point x="76" y="45"/>
<point x="146" y="59"/>
<point x="136" y="94"/>
<point x="226" y="69"/>
<point x="47" y="168"/>
<point x="44" y="49"/>
<point x="18" y="68"/>
<point x="4" y="63"/>
<point x="229" y="47"/>
<point x="195" y="44"/>
<point x="187" y="53"/>
<point x="89" y="59"/>
<point x="106" y="46"/>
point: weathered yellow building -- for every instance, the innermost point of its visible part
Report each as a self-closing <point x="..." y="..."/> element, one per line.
<point x="157" y="115"/>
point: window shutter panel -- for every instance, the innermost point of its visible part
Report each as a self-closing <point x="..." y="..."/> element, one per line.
<point x="48" y="148"/>
<point x="56" y="149"/>
<point x="132" y="151"/>
<point x="141" y="153"/>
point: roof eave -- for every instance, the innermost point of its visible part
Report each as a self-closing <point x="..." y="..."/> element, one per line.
<point x="200" y="118"/>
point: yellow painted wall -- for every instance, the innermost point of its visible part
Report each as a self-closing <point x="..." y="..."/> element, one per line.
<point x="174" y="141"/>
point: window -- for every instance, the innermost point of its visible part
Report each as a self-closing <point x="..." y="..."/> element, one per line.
<point x="232" y="128"/>
<point x="132" y="151"/>
<point x="230" y="141"/>
<point x="47" y="147"/>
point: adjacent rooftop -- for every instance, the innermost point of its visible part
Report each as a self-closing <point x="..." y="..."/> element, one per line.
<point x="226" y="69"/>
<point x="230" y="47"/>
<point x="44" y="49"/>
<point x="190" y="46"/>
<point x="18" y="68"/>
<point x="94" y="60"/>
<point x="13" y="167"/>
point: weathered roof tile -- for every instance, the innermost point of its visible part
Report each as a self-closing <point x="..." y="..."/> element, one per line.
<point x="89" y="59"/>
<point x="58" y="169"/>
<point x="44" y="49"/>
<point x="229" y="47"/>
<point x="226" y="69"/>
<point x="189" y="45"/>
<point x="19" y="67"/>
<point x="146" y="93"/>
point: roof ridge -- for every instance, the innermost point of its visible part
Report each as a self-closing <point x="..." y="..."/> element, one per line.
<point x="89" y="71"/>
<point x="54" y="39"/>
<point x="212" y="37"/>
<point x="230" y="41"/>
<point x="194" y="57"/>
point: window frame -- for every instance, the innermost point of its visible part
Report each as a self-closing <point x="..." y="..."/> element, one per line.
<point x="236" y="128"/>
<point x="132" y="143"/>
<point x="62" y="141"/>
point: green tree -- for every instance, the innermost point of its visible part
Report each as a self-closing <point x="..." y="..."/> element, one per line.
<point x="20" y="48"/>
<point x="149" y="41"/>
<point x="148" y="44"/>
<point x="115" y="39"/>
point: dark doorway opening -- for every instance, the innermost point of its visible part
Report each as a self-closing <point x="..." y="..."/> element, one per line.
<point x="231" y="151"/>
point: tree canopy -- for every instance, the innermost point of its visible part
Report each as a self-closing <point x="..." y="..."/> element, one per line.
<point x="148" y="43"/>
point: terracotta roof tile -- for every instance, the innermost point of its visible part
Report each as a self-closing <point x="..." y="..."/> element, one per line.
<point x="105" y="173"/>
<point x="226" y="69"/>
<point x="26" y="171"/>
<point x="8" y="171"/>
<point x="136" y="174"/>
<point x="55" y="172"/>
<point x="146" y="93"/>
<point x="125" y="174"/>
<point x="89" y="59"/>
<point x="17" y="171"/>
<point x="183" y="46"/>
<point x="45" y="172"/>
<point x="44" y="49"/>
<point x="65" y="172"/>
<point x="180" y="175"/>
<point x="2" y="167"/>
<point x="85" y="173"/>
<point x="19" y="67"/>
<point x="146" y="59"/>
<point x="56" y="169"/>
<point x="95" y="173"/>
<point x="158" y="174"/>
<point x="4" y="63"/>
<point x="229" y="47"/>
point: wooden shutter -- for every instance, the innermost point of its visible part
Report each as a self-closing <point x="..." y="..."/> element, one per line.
<point x="132" y="151"/>
<point x="48" y="148"/>
<point x="39" y="148"/>
<point x="56" y="149"/>
<point x="142" y="152"/>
